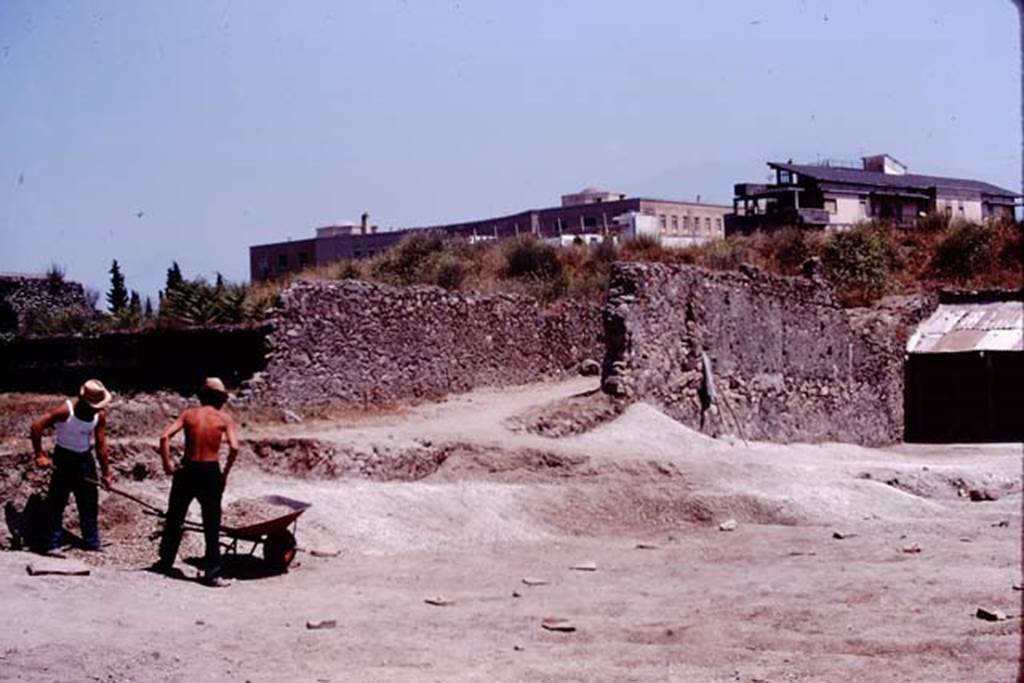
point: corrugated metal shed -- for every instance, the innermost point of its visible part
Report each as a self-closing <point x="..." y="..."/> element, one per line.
<point x="958" y="327"/>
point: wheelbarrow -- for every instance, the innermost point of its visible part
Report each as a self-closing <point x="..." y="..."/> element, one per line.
<point x="277" y="535"/>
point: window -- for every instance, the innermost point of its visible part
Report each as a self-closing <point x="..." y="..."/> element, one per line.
<point x="831" y="206"/>
<point x="785" y="178"/>
<point x="960" y="207"/>
<point x="863" y="207"/>
<point x="589" y="222"/>
<point x="707" y="224"/>
<point x="662" y="221"/>
<point x="282" y="260"/>
<point x="303" y="259"/>
<point x="675" y="225"/>
<point x="686" y="224"/>
<point x="718" y="225"/>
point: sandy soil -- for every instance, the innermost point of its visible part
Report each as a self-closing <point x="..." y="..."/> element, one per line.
<point x="638" y="495"/>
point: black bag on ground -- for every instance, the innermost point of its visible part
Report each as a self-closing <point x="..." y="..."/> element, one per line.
<point x="29" y="528"/>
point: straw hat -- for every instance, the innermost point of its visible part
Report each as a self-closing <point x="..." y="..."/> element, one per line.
<point x="215" y="385"/>
<point x="95" y="394"/>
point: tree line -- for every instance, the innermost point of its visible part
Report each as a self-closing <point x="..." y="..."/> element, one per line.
<point x="183" y="302"/>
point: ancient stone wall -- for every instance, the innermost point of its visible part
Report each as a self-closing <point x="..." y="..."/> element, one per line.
<point x="24" y="298"/>
<point x="361" y="343"/>
<point x="788" y="362"/>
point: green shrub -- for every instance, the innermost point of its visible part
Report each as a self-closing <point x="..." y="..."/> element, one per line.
<point x="787" y="250"/>
<point x="527" y="257"/>
<point x="964" y="251"/>
<point x="197" y="302"/>
<point x="858" y="262"/>
<point x="405" y="263"/>
<point x="450" y="271"/>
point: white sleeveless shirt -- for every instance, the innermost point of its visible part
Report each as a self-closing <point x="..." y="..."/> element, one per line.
<point x="74" y="434"/>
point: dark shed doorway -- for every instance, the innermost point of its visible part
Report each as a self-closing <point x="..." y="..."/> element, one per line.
<point x="967" y="397"/>
<point x="964" y="373"/>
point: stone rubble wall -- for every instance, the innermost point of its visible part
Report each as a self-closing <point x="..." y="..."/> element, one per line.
<point x="789" y="363"/>
<point x="351" y="342"/>
<point x="26" y="297"/>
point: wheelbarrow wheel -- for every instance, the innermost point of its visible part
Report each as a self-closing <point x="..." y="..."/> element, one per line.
<point x="279" y="550"/>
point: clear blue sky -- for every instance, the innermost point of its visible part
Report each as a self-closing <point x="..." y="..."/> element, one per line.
<point x="227" y="124"/>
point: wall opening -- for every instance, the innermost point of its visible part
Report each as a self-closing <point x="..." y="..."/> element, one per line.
<point x="966" y="397"/>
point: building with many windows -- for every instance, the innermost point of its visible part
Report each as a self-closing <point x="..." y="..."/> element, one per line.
<point x="838" y="195"/>
<point x="589" y="212"/>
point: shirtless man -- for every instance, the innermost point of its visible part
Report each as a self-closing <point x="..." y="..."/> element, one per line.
<point x="77" y="422"/>
<point x="198" y="475"/>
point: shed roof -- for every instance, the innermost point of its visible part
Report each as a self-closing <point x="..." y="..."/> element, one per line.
<point x="996" y="326"/>
<point x="908" y="181"/>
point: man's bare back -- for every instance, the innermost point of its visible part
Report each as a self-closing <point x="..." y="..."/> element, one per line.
<point x="205" y="428"/>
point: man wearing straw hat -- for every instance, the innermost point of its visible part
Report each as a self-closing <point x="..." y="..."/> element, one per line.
<point x="198" y="476"/>
<point x="77" y="423"/>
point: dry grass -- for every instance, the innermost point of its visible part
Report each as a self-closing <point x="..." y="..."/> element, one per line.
<point x="863" y="264"/>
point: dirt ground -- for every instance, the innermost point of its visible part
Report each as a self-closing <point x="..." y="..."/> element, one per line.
<point x="456" y="500"/>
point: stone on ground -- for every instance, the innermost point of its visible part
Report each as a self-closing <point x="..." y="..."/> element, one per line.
<point x="991" y="614"/>
<point x="321" y="624"/>
<point x="43" y="566"/>
<point x="439" y="601"/>
<point x="558" y="624"/>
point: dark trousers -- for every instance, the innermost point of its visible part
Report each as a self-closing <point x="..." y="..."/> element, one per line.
<point x="202" y="481"/>
<point x="70" y="471"/>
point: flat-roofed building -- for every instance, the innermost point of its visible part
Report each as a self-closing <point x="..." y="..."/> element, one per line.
<point x="591" y="211"/>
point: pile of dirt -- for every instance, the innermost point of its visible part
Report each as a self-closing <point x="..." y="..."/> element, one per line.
<point x="568" y="416"/>
<point x="126" y="531"/>
<point x="643" y="430"/>
<point x="248" y="511"/>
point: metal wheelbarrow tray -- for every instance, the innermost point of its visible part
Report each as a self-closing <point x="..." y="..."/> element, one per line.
<point x="277" y="535"/>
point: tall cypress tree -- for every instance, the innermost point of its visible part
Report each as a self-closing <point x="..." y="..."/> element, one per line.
<point x="135" y="305"/>
<point x="117" y="297"/>
<point x="174" y="277"/>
